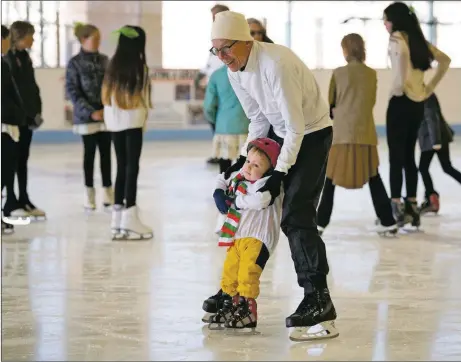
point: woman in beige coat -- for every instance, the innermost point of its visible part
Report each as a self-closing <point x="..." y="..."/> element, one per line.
<point x="353" y="159"/>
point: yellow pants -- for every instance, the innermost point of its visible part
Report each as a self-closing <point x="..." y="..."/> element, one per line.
<point x="245" y="261"/>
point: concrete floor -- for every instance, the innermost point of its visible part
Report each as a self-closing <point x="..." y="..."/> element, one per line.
<point x="70" y="293"/>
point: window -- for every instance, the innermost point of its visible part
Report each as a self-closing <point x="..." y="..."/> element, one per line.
<point x="447" y="14"/>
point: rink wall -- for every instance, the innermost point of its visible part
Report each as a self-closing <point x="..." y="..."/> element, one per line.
<point x="177" y="106"/>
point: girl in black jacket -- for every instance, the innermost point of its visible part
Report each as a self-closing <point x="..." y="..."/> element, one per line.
<point x="22" y="70"/>
<point x="84" y="76"/>
<point x="435" y="136"/>
<point x="12" y="115"/>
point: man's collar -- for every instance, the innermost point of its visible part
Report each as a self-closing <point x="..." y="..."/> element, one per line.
<point x="252" y="61"/>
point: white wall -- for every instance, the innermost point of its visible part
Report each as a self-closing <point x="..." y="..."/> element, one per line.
<point x="51" y="82"/>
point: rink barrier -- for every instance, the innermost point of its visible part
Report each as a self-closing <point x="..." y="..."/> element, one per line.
<point x="67" y="136"/>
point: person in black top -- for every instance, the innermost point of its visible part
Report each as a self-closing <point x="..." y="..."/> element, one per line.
<point x="435" y="136"/>
<point x="22" y="38"/>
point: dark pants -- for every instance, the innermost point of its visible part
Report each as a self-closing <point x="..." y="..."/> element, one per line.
<point x="303" y="186"/>
<point x="403" y="119"/>
<point x="23" y="149"/>
<point x="9" y="162"/>
<point x="444" y="157"/>
<point x="102" y="141"/>
<point x="128" y="145"/>
<point x="379" y="197"/>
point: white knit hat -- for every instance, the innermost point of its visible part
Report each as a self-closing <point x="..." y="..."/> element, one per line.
<point x="230" y="25"/>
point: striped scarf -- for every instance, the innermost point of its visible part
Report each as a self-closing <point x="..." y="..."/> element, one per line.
<point x="230" y="226"/>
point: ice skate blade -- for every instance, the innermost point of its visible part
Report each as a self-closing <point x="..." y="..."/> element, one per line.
<point x="216" y="326"/>
<point x="207" y="317"/>
<point x="127" y="235"/>
<point x="242" y="331"/>
<point x="324" y="330"/>
<point x="17" y="220"/>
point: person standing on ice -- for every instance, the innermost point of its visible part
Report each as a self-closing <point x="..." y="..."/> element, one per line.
<point x="282" y="99"/>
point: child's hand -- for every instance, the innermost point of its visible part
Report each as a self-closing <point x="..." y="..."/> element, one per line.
<point x="222" y="201"/>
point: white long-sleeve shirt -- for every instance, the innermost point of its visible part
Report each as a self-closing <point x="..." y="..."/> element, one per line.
<point x="258" y="219"/>
<point x="276" y="88"/>
<point x="408" y="80"/>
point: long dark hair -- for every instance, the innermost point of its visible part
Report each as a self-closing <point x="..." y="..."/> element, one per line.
<point x="405" y="20"/>
<point x="126" y="73"/>
<point x="265" y="39"/>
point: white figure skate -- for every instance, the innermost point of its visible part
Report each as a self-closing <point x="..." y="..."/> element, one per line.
<point x="131" y="228"/>
<point x="108" y="198"/>
<point x="18" y="217"/>
<point x="387" y="231"/>
<point x="89" y="202"/>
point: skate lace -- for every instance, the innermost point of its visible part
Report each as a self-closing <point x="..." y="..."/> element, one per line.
<point x="241" y="312"/>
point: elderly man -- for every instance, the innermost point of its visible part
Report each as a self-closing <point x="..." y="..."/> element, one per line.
<point x="282" y="99"/>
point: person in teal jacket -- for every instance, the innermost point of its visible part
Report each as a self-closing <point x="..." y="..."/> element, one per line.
<point x="223" y="110"/>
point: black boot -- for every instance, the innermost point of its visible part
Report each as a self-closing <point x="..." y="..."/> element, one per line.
<point x="213" y="304"/>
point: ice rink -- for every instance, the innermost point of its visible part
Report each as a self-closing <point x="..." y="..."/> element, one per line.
<point x="70" y="293"/>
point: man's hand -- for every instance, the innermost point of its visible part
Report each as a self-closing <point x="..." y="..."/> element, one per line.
<point x="273" y="185"/>
<point x="436" y="147"/>
<point x="235" y="167"/>
<point x="98" y="115"/>
<point x="222" y="201"/>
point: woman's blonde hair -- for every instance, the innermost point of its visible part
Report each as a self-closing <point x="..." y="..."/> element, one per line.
<point x="354" y="45"/>
<point x="19" y="30"/>
<point x="84" y="31"/>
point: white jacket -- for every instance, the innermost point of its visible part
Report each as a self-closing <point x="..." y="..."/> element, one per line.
<point x="258" y="220"/>
<point x="276" y="88"/>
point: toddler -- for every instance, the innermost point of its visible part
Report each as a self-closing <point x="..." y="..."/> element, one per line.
<point x="250" y="231"/>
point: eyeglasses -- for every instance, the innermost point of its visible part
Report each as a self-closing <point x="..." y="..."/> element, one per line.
<point x="224" y="50"/>
<point x="253" y="33"/>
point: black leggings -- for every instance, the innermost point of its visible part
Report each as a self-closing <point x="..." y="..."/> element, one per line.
<point x="23" y="149"/>
<point x="101" y="140"/>
<point x="403" y="119"/>
<point x="9" y="162"/>
<point x="128" y="145"/>
<point x="444" y="157"/>
<point x="379" y="197"/>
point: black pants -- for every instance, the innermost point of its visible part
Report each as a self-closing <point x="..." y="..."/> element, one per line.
<point x="379" y="197"/>
<point x="102" y="141"/>
<point x="23" y="149"/>
<point x="128" y="145"/>
<point x="444" y="157"/>
<point x="9" y="163"/>
<point x="303" y="186"/>
<point x="403" y="119"/>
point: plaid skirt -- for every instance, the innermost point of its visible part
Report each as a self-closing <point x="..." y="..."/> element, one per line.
<point x="228" y="146"/>
<point x="352" y="166"/>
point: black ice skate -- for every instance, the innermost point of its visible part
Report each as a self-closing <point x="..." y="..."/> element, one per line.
<point x="314" y="318"/>
<point x="224" y="314"/>
<point x="398" y="210"/>
<point x="213" y="304"/>
<point x="411" y="209"/>
<point x="246" y="315"/>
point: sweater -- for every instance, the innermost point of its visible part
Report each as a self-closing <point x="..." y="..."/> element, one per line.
<point x="258" y="220"/>
<point x="434" y="130"/>
<point x="222" y="107"/>
<point x="277" y="89"/>
<point x="406" y="79"/>
<point x="84" y="76"/>
<point x="23" y="73"/>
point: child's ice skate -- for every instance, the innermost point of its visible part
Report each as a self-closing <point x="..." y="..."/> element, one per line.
<point x="115" y="222"/>
<point x="218" y="321"/>
<point x="245" y="318"/>
<point x="314" y="318"/>
<point x="386" y="231"/>
<point x="108" y="197"/>
<point x="431" y="204"/>
<point x="213" y="304"/>
<point x="89" y="199"/>
<point x="131" y="228"/>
